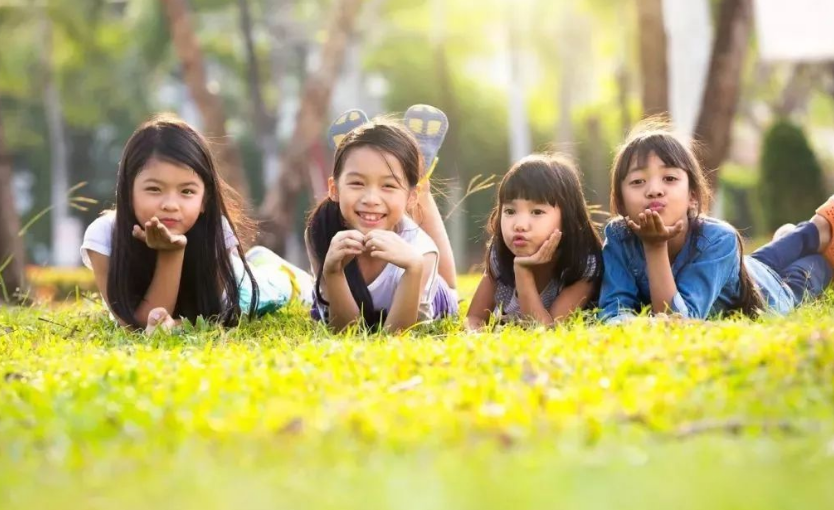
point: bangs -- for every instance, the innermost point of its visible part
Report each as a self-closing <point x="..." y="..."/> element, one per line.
<point x="535" y="182"/>
<point x="664" y="145"/>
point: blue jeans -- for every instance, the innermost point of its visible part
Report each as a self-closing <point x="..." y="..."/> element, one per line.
<point x="796" y="259"/>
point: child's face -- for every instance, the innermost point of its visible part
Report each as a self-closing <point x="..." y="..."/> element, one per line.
<point x="172" y="193"/>
<point x="526" y="225"/>
<point x="372" y="190"/>
<point x="658" y="188"/>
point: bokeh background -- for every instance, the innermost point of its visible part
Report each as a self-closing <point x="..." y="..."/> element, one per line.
<point x="751" y="80"/>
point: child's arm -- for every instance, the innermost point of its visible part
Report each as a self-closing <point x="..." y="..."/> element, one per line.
<point x="101" y="265"/>
<point x="482" y="304"/>
<point x="571" y="298"/>
<point x="529" y="299"/>
<point x="655" y="236"/>
<point x="406" y="303"/>
<point x="165" y="284"/>
<point x="344" y="247"/>
<point x="427" y="215"/>
<point x="390" y="247"/>
<point x="619" y="296"/>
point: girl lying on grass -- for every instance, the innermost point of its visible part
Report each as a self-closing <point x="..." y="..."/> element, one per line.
<point x="171" y="249"/>
<point x="664" y="252"/>
<point x="373" y="262"/>
<point x="543" y="258"/>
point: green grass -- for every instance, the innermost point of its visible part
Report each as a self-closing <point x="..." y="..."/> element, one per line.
<point x="280" y="414"/>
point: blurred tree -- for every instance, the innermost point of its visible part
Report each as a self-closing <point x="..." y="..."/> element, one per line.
<point x="654" y="69"/>
<point x="11" y="245"/>
<point x="791" y="181"/>
<point x="721" y="94"/>
<point x="184" y="40"/>
<point x="278" y="208"/>
<point x="263" y="121"/>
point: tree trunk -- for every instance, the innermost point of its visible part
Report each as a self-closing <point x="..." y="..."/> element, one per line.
<point x="188" y="50"/>
<point x="11" y="244"/>
<point x="653" y="64"/>
<point x="64" y="253"/>
<point x="278" y="209"/>
<point x="714" y="127"/>
<point x="263" y="121"/>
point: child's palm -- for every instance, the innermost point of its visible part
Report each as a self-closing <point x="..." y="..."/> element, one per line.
<point x="390" y="247"/>
<point x="344" y="247"/>
<point x="158" y="237"/>
<point x="650" y="228"/>
<point x="544" y="254"/>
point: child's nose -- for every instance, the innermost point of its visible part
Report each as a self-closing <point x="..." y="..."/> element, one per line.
<point x="170" y="204"/>
<point x="654" y="189"/>
<point x="521" y="224"/>
<point x="370" y="197"/>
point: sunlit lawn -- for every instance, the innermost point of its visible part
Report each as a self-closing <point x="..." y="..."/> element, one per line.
<point x="280" y="414"/>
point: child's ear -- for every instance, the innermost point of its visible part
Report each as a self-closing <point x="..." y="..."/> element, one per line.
<point x="412" y="197"/>
<point x="332" y="190"/>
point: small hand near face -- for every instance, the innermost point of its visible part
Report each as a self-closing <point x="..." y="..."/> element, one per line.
<point x="650" y="229"/>
<point x="158" y="237"/>
<point x="344" y="247"/>
<point x="544" y="254"/>
<point x="390" y="247"/>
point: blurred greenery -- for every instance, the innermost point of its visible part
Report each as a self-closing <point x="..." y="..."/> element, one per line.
<point x="114" y="66"/>
<point x="791" y="176"/>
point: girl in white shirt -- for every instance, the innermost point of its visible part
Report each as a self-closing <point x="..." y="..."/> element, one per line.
<point x="170" y="249"/>
<point x="371" y="260"/>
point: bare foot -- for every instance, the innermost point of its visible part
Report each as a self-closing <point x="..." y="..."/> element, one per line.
<point x="824" y="229"/>
<point x="159" y="318"/>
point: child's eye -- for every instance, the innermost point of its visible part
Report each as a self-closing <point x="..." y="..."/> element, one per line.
<point x="355" y="183"/>
<point x="509" y="212"/>
<point x="538" y="212"/>
<point x="636" y="182"/>
<point x="670" y="178"/>
<point x="152" y="189"/>
<point x="188" y="192"/>
<point x="391" y="186"/>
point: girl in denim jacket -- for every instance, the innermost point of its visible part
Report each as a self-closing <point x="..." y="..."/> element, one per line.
<point x="663" y="252"/>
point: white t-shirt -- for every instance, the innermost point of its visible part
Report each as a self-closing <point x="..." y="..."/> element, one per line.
<point x="278" y="280"/>
<point x="382" y="289"/>
<point x="99" y="237"/>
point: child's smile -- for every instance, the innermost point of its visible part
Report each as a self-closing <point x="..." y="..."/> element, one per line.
<point x="372" y="191"/>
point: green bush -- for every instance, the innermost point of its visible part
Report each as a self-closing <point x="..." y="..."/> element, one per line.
<point x="791" y="176"/>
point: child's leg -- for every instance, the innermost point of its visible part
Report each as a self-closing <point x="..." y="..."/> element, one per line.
<point x="808" y="277"/>
<point x="445" y="300"/>
<point x="430" y="125"/>
<point x="278" y="278"/>
<point x="427" y="215"/>
<point x="802" y="241"/>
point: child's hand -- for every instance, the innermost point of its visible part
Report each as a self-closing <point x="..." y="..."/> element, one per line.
<point x="390" y="247"/>
<point x="544" y="254"/>
<point x="160" y="318"/>
<point x="344" y="247"/>
<point x="158" y="237"/>
<point x="650" y="229"/>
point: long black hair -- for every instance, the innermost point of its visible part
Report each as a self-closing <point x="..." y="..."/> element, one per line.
<point x="325" y="221"/>
<point x="655" y="136"/>
<point x="548" y="179"/>
<point x="208" y="287"/>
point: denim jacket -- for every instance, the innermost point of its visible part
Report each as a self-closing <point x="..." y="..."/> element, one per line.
<point x="706" y="273"/>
